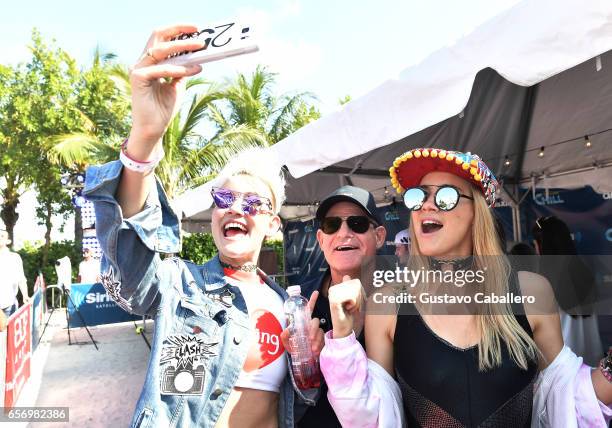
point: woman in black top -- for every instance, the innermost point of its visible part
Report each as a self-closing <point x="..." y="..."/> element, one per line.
<point x="457" y="365"/>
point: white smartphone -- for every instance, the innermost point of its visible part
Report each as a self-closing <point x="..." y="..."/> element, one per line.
<point x="225" y="40"/>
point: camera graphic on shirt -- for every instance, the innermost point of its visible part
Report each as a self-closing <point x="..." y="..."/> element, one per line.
<point x="183" y="380"/>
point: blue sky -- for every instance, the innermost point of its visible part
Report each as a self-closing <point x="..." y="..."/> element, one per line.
<point x="331" y="48"/>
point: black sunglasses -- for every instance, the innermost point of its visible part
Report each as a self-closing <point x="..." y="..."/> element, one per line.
<point x="357" y="223"/>
<point x="252" y="203"/>
<point x="445" y="198"/>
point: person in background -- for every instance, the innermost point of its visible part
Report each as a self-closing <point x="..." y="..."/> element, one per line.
<point x="89" y="268"/>
<point x="574" y="286"/>
<point x="402" y="246"/>
<point x="349" y="234"/>
<point x="12" y="277"/>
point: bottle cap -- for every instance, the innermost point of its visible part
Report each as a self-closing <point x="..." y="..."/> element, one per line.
<point x="294" y="290"/>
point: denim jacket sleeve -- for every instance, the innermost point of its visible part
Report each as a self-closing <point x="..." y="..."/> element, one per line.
<point x="131" y="246"/>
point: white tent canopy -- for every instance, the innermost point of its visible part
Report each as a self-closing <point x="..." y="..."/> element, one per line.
<point x="454" y="99"/>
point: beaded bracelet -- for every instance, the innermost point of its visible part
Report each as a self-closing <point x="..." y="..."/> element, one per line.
<point x="138" y="166"/>
<point x="605" y="365"/>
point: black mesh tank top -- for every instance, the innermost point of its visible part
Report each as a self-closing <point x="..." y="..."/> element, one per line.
<point x="442" y="387"/>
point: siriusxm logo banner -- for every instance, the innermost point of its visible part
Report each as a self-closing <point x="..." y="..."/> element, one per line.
<point x="552" y="199"/>
<point x="98" y="298"/>
<point x="96" y="307"/>
<point x="607" y="196"/>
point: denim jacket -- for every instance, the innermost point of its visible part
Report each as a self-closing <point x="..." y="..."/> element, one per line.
<point x="202" y="324"/>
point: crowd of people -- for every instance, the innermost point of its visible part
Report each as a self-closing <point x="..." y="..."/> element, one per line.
<point x="219" y="357"/>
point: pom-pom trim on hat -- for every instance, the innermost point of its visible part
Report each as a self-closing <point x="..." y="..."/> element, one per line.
<point x="464" y="164"/>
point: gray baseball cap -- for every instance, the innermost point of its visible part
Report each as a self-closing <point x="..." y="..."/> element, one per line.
<point x="356" y="195"/>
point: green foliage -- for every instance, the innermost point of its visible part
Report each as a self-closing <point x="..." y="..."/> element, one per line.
<point x="37" y="102"/>
<point x="278" y="247"/>
<point x="103" y="109"/>
<point x="198" y="247"/>
<point x="56" y="118"/>
<point x="344" y="100"/>
<point x="32" y="258"/>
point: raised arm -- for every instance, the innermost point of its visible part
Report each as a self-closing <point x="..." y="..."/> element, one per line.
<point x="156" y="93"/>
<point x="361" y="391"/>
<point x="134" y="220"/>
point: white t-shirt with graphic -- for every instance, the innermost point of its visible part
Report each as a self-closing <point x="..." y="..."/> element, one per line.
<point x="265" y="367"/>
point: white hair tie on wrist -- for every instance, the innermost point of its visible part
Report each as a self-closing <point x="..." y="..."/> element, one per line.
<point x="138" y="166"/>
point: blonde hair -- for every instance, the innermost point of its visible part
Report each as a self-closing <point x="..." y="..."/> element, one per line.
<point x="496" y="322"/>
<point x="260" y="163"/>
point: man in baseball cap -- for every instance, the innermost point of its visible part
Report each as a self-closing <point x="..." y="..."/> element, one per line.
<point x="350" y="232"/>
<point x="356" y="195"/>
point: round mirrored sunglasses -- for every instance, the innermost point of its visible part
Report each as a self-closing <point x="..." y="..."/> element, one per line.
<point x="446" y="197"/>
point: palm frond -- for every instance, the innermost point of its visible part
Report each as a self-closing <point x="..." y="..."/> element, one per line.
<point x="213" y="155"/>
<point x="197" y="111"/>
<point x="120" y="76"/>
<point x="241" y="134"/>
<point x="88" y="125"/>
<point x="216" y="115"/>
<point x="195" y="81"/>
<point x="72" y="150"/>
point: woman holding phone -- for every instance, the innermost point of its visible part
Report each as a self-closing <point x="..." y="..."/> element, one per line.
<point x="459" y="366"/>
<point x="217" y="357"/>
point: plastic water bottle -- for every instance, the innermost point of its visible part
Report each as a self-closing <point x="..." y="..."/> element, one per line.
<point x="303" y="363"/>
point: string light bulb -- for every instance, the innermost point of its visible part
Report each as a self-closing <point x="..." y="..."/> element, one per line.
<point x="541" y="154"/>
<point x="507" y="161"/>
<point x="587" y="142"/>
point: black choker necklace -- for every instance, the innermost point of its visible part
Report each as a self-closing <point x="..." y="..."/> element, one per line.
<point x="461" y="263"/>
<point x="243" y="268"/>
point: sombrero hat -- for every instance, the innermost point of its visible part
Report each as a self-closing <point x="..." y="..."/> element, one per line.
<point x="409" y="168"/>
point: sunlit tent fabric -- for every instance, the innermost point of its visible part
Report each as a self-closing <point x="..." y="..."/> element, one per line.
<point x="537" y="75"/>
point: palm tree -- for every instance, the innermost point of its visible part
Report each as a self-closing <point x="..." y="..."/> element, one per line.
<point x="250" y="102"/>
<point x="190" y="158"/>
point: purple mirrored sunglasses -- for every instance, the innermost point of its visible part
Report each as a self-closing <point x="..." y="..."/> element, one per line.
<point x="252" y="203"/>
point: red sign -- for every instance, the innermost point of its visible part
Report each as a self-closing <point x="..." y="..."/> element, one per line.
<point x="18" y="353"/>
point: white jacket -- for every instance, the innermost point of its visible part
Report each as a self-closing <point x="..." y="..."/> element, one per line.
<point x="364" y="395"/>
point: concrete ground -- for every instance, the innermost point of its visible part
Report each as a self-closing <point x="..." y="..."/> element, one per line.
<point x="100" y="388"/>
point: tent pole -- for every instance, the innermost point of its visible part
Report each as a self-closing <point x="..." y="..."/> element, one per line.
<point x="516" y="218"/>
